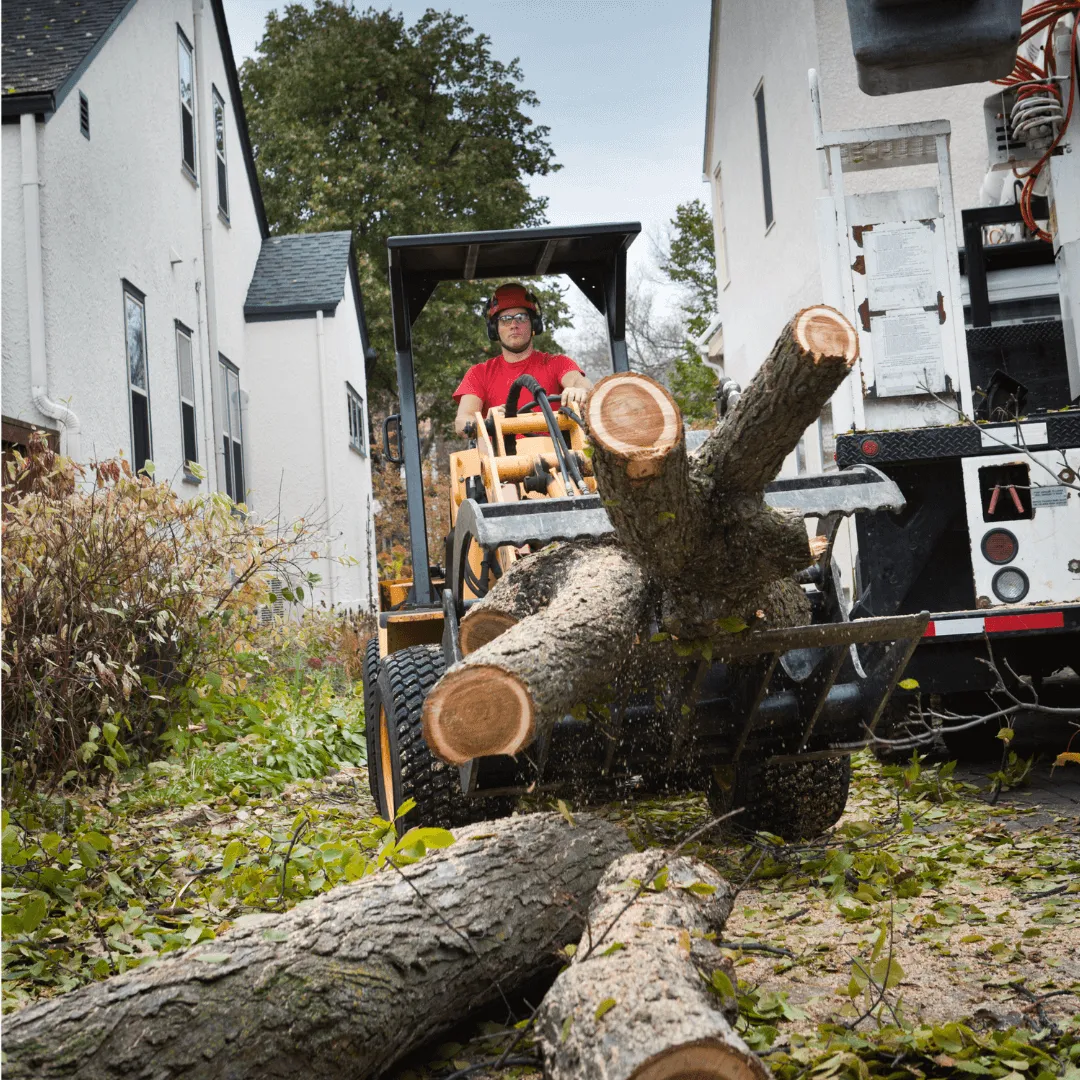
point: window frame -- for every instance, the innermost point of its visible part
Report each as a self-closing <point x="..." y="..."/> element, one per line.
<point x="723" y="276"/>
<point x="191" y="170"/>
<point x="220" y="154"/>
<point x="182" y="331"/>
<point x="358" y="428"/>
<point x="84" y="116"/>
<point x="763" y="151"/>
<point x="228" y="369"/>
<point x="138" y="297"/>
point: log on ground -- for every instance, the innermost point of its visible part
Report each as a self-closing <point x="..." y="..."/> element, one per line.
<point x="633" y="1004"/>
<point x="341" y="985"/>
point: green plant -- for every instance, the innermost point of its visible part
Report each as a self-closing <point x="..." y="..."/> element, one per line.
<point x="117" y="593"/>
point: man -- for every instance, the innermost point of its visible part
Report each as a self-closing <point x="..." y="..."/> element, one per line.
<point x="513" y="318"/>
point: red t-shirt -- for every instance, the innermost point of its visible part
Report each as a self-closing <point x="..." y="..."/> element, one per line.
<point x="491" y="380"/>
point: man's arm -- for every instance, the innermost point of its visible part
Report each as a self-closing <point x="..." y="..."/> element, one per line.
<point x="468" y="407"/>
<point x="575" y="389"/>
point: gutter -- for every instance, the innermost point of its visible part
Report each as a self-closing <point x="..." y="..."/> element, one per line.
<point x="205" y="112"/>
<point x="328" y="472"/>
<point x="35" y="294"/>
<point x="702" y="344"/>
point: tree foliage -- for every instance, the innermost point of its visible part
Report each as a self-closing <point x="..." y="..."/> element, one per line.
<point x="359" y="121"/>
<point x="690" y="262"/>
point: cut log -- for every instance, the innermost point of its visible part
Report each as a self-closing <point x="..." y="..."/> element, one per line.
<point x="342" y="985"/>
<point x="634" y="1005"/>
<point x="695" y="548"/>
<point x="527" y="587"/>
<point x="494" y="699"/>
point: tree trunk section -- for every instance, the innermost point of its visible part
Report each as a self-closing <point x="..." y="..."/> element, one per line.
<point x="498" y="698"/>
<point x="633" y="1005"/>
<point x="341" y="985"/>
<point x="694" y="543"/>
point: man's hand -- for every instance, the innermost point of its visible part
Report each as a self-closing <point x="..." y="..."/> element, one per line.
<point x="574" y="397"/>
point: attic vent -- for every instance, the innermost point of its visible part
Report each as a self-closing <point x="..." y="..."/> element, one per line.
<point x="269" y="612"/>
<point x="84" y="114"/>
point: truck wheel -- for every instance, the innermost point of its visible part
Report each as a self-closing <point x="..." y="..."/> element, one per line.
<point x="371" y="713"/>
<point x="794" y="800"/>
<point x="406" y="768"/>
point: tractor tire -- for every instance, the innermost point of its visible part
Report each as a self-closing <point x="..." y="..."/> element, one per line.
<point x="795" y="800"/>
<point x="407" y="769"/>
<point x="371" y="713"/>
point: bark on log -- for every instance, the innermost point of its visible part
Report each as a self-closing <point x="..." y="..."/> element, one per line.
<point x="342" y="985"/>
<point x="494" y="699"/>
<point x="695" y="546"/>
<point x="642" y="1011"/>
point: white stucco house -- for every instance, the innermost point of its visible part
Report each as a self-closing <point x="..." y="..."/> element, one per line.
<point x="147" y="310"/>
<point x="766" y="175"/>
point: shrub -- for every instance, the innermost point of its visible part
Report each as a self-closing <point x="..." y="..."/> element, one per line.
<point x="118" y="594"/>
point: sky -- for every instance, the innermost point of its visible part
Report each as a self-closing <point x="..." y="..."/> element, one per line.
<point x="621" y="84"/>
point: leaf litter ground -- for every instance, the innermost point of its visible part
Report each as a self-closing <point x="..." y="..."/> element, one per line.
<point x="931" y="934"/>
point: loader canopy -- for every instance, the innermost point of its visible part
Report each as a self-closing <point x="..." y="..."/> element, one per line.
<point x="592" y="256"/>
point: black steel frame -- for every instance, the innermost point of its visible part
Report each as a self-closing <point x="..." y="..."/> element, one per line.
<point x="975" y="255"/>
<point x="416" y="270"/>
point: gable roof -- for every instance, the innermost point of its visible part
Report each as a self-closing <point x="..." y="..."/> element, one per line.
<point x="299" y="275"/>
<point x="48" y="44"/>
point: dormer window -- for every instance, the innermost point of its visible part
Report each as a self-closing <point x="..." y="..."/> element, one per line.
<point x="187" y="102"/>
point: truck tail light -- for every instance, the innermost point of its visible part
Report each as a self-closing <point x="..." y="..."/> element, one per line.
<point x="1010" y="585"/>
<point x="999" y="546"/>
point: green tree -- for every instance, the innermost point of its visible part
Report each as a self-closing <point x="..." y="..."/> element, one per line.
<point x="690" y="262"/>
<point x="359" y="121"/>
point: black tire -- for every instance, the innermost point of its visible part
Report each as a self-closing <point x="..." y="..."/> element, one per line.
<point x="795" y="800"/>
<point x="405" y="677"/>
<point x="371" y="713"/>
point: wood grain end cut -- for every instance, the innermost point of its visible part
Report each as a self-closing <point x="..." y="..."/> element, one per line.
<point x="477" y="711"/>
<point x="706" y="1060"/>
<point x="822" y="331"/>
<point x="481" y="626"/>
<point x="634" y="418"/>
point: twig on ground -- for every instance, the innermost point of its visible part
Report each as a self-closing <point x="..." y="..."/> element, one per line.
<point x="297" y="832"/>
<point x="754" y="946"/>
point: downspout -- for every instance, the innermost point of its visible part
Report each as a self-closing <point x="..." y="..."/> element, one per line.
<point x="328" y="477"/>
<point x="204" y="113"/>
<point x="35" y="294"/>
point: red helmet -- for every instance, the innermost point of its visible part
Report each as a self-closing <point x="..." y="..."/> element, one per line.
<point x="512" y="295"/>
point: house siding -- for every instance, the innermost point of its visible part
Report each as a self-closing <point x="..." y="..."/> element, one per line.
<point x="120" y="207"/>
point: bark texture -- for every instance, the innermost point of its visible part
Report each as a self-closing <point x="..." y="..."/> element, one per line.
<point x="342" y="985"/>
<point x="696" y="550"/>
<point x="657" y="1016"/>
<point x="497" y="699"/>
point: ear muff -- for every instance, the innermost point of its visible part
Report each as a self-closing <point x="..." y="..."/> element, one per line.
<point x="536" y="316"/>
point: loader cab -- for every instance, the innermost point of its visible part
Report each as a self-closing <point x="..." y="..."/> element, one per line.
<point x="594" y="258"/>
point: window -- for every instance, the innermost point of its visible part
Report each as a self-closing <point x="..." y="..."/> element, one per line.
<point x="84" y="114"/>
<point x="219" y="143"/>
<point x="187" y="101"/>
<point x="138" y="379"/>
<point x="723" y="277"/>
<point x="357" y="425"/>
<point x="186" y="371"/>
<point x="232" y="431"/>
<point x="763" y="146"/>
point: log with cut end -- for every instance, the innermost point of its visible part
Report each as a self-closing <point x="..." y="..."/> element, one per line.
<point x="694" y="543"/>
<point x="498" y="697"/>
<point x="342" y="985"/>
<point x="633" y="1004"/>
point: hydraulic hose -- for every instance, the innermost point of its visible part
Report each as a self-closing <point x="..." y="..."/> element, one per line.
<point x="527" y="382"/>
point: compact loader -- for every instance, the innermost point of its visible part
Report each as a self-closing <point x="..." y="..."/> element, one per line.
<point x="771" y="722"/>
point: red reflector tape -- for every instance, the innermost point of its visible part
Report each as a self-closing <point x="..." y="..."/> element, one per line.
<point x="1039" y="620"/>
<point x="995" y="624"/>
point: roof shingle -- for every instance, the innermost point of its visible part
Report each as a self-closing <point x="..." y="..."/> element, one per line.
<point x="44" y="41"/>
<point x="299" y="274"/>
